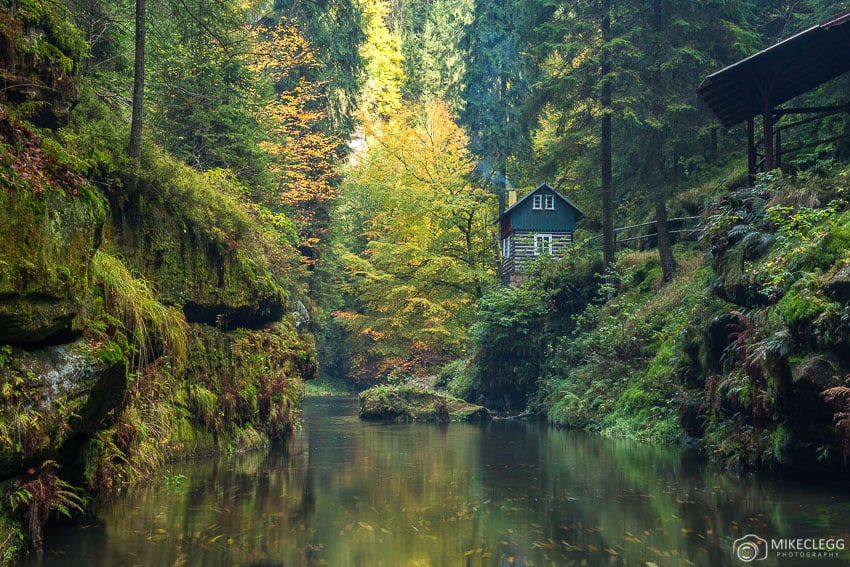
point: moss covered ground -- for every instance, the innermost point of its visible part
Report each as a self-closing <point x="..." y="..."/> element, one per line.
<point x="409" y="403"/>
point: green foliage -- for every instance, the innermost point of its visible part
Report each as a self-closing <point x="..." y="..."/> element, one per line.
<point x="151" y="327"/>
<point x="204" y="405"/>
<point x="97" y="135"/>
<point x="13" y="544"/>
<point x="382" y="57"/>
<point x="628" y="365"/>
<point x="38" y="495"/>
<point x="799" y="223"/>
<point x="434" y="62"/>
<point x="517" y="328"/>
<point x="210" y="201"/>
<point x="199" y="85"/>
<point x="457" y="378"/>
<point x="5" y="354"/>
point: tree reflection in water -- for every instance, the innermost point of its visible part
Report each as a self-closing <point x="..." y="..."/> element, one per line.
<point x="346" y="492"/>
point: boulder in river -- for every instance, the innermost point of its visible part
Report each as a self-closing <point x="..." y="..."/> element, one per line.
<point x="406" y="403"/>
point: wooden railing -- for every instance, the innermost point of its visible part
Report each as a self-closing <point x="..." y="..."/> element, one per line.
<point x="687" y="232"/>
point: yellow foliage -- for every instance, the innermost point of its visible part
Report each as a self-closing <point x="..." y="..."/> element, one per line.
<point x="302" y="155"/>
<point x="422" y="234"/>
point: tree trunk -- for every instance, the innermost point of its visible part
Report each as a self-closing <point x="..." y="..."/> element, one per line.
<point x="135" y="151"/>
<point x="608" y="243"/>
<point x="665" y="252"/>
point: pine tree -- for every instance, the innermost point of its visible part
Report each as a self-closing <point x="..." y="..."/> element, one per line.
<point x="495" y="86"/>
<point x="620" y="77"/>
<point x="435" y="65"/>
<point x="335" y="29"/>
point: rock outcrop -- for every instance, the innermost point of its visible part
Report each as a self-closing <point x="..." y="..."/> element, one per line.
<point x="406" y="403"/>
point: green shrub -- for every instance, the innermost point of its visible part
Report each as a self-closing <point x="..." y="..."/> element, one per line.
<point x="802" y="305"/>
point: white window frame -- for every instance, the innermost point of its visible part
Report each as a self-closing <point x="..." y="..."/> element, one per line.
<point x="542" y="244"/>
<point x="550" y="202"/>
<point x="506" y="247"/>
<point x="537" y="203"/>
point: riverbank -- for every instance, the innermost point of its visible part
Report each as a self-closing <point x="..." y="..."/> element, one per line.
<point x="146" y="313"/>
<point x="743" y="350"/>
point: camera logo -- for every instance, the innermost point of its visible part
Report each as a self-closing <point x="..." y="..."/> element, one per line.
<point x="750" y="548"/>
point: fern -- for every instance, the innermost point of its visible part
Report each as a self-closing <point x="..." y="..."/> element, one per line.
<point x="132" y="308"/>
<point x="839" y="399"/>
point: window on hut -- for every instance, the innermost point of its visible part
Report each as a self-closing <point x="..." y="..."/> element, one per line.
<point x="542" y="244"/>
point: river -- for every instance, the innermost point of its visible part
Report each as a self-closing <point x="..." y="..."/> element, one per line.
<point x="344" y="492"/>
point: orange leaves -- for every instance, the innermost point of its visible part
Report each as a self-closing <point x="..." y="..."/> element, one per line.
<point x="25" y="161"/>
<point x="280" y="51"/>
<point x="301" y="154"/>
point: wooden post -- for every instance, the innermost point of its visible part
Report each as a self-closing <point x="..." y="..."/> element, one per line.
<point x="779" y="148"/>
<point x="751" y="152"/>
<point x="769" y="155"/>
<point x="769" y="121"/>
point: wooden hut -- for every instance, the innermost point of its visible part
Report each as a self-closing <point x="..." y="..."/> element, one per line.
<point x="763" y="82"/>
<point x="542" y="222"/>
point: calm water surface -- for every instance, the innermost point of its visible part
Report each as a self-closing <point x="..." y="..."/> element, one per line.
<point x="346" y="492"/>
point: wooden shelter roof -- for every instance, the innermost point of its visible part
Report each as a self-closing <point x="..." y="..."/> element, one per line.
<point x="779" y="73"/>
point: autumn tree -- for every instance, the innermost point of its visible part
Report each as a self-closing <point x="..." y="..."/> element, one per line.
<point x="418" y="245"/>
<point x="301" y="156"/>
<point x="382" y="56"/>
<point x="335" y="29"/>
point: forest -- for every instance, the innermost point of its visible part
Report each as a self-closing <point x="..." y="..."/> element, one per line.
<point x="209" y="203"/>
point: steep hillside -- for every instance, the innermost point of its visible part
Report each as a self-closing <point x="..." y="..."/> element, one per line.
<point x="131" y="332"/>
<point x="744" y="351"/>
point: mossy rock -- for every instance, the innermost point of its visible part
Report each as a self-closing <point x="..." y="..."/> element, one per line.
<point x="735" y="283"/>
<point x="52" y="398"/>
<point x="39" y="53"/>
<point x="822" y="369"/>
<point x="185" y="232"/>
<point x="405" y="403"/>
<point x="47" y="242"/>
<point x="837" y="282"/>
<point x="244" y="377"/>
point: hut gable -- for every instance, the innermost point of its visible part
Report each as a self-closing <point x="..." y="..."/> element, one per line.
<point x="542" y="222"/>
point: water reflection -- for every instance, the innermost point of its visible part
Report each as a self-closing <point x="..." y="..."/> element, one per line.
<point x="347" y="492"/>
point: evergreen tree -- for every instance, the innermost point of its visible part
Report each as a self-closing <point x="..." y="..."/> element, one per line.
<point x="335" y="29"/>
<point x="435" y="65"/>
<point x="495" y="86"/>
<point x="671" y="47"/>
<point x="628" y="72"/>
<point x="200" y="85"/>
